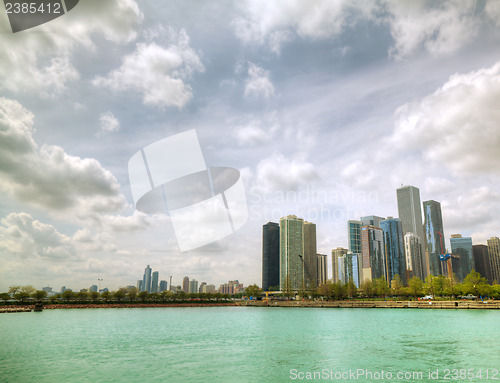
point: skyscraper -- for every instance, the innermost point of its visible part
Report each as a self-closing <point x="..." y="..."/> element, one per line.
<point x="349" y="265"/>
<point x="322" y="268"/>
<point x="371" y="220"/>
<point x="291" y="253"/>
<point x="336" y="254"/>
<point x="163" y="286"/>
<point x="494" y="253"/>
<point x="394" y="249"/>
<point x="270" y="255"/>
<point x="146" y="280"/>
<point x="154" y="282"/>
<point x="462" y="246"/>
<point x="410" y="214"/>
<point x="354" y="236"/>
<point x="185" y="284"/>
<point x="310" y="254"/>
<point x="413" y="254"/>
<point x="482" y="261"/>
<point x="193" y="286"/>
<point x="372" y="253"/>
<point x="434" y="235"/>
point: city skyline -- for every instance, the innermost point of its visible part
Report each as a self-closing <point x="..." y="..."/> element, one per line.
<point x="324" y="111"/>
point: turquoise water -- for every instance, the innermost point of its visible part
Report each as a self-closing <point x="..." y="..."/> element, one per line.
<point x="247" y="344"/>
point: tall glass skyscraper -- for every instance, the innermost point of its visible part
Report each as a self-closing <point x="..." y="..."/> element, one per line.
<point x="482" y="261"/>
<point x="394" y="248"/>
<point x="322" y="268"/>
<point x="270" y="255"/>
<point x="413" y="254"/>
<point x="494" y="254"/>
<point x="410" y="214"/>
<point x="373" y="253"/>
<point x="310" y="254"/>
<point x="336" y="254"/>
<point x="155" y="281"/>
<point x="291" y="253"/>
<point x="434" y="235"/>
<point x="349" y="268"/>
<point x="146" y="280"/>
<point x="354" y="236"/>
<point x="462" y="246"/>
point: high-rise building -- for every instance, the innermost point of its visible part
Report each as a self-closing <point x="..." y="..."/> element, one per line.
<point x="482" y="261"/>
<point x="163" y="286"/>
<point x="434" y="235"/>
<point x="349" y="268"/>
<point x="200" y="288"/>
<point x="270" y="256"/>
<point x="322" y="268"/>
<point x="410" y="214"/>
<point x="394" y="249"/>
<point x="193" y="286"/>
<point x="494" y="254"/>
<point x="291" y="253"/>
<point x="336" y="254"/>
<point x="146" y="280"/>
<point x="139" y="285"/>
<point x="462" y="246"/>
<point x="354" y="236"/>
<point x="185" y="284"/>
<point x="372" y="253"/>
<point x="93" y="289"/>
<point x="310" y="255"/>
<point x="371" y="220"/>
<point x="155" y="281"/>
<point x="414" y="258"/>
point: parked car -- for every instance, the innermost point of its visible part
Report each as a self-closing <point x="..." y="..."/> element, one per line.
<point x="428" y="297"/>
<point x="470" y="296"/>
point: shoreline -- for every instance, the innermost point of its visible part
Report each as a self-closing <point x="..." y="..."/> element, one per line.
<point x="461" y="305"/>
<point x="27" y="308"/>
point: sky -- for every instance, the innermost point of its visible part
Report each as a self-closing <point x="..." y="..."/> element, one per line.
<point x="324" y="107"/>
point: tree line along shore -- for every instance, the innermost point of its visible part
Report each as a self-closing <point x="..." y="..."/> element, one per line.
<point x="434" y="287"/>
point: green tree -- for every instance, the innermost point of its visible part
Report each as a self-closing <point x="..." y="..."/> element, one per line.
<point x="24" y="293"/>
<point x="474" y="284"/>
<point x="339" y="291"/>
<point x="396" y="285"/>
<point x="253" y="291"/>
<point x="94" y="295"/>
<point x="4" y="296"/>
<point x="351" y="289"/>
<point x="367" y="288"/>
<point x="381" y="287"/>
<point x="287" y="288"/>
<point x="326" y="290"/>
<point x="105" y="295"/>
<point x="14" y="289"/>
<point x="82" y="296"/>
<point x="120" y="294"/>
<point x="132" y="294"/>
<point x="40" y="295"/>
<point x="68" y="295"/>
<point x="415" y="287"/>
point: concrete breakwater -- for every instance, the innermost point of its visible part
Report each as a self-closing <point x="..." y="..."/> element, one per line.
<point x="491" y="305"/>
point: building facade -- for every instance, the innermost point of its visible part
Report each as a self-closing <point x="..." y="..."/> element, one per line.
<point x="270" y="256"/>
<point x="336" y="254"/>
<point x="354" y="236"/>
<point x="410" y="214"/>
<point x="462" y="246"/>
<point x="494" y="255"/>
<point x="349" y="268"/>
<point x="291" y="253"/>
<point x="482" y="261"/>
<point x="394" y="249"/>
<point x="310" y="255"/>
<point x="434" y="236"/>
<point x="322" y="268"/>
<point x="413" y="255"/>
<point x="185" y="284"/>
<point x="146" y="279"/>
<point x="372" y="253"/>
<point x="155" y="279"/>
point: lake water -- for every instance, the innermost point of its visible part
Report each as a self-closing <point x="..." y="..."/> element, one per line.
<point x="249" y="344"/>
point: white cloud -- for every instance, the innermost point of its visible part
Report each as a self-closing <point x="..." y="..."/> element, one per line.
<point x="492" y="10"/>
<point x="39" y="59"/>
<point x="258" y="83"/>
<point x="108" y="123"/>
<point x="46" y="176"/>
<point x="23" y="237"/>
<point x="280" y="173"/>
<point x="457" y="125"/>
<point x="440" y="28"/>
<point x="156" y="72"/>
<point x="252" y="131"/>
<point x="276" y="22"/>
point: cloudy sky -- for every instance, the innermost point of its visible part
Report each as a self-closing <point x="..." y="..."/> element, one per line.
<point x="324" y="107"/>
